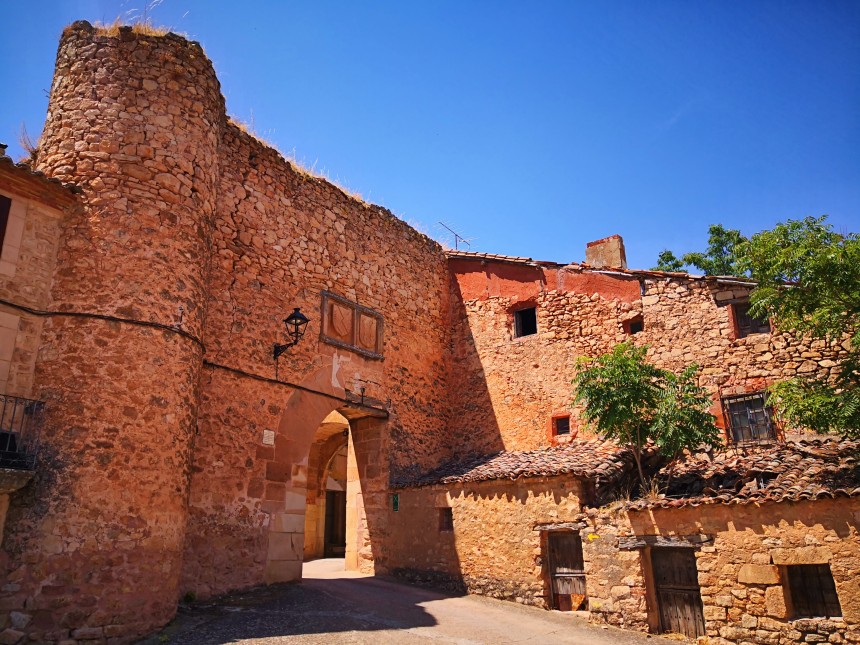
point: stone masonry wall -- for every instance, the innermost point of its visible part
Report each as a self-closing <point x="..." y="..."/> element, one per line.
<point x="507" y="389"/>
<point x="690" y="321"/>
<point x="94" y="544"/>
<point x="741" y="572"/>
<point x="27" y="266"/>
<point x="281" y="238"/>
<point x="175" y="455"/>
<point x="495" y="546"/>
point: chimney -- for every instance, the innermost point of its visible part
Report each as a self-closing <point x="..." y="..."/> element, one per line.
<point x="608" y="252"/>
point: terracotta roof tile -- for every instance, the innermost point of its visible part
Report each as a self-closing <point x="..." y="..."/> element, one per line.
<point x="603" y="461"/>
<point x="582" y="266"/>
<point x="791" y="471"/>
<point x="23" y="166"/>
<point x="473" y="255"/>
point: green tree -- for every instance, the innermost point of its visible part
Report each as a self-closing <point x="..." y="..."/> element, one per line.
<point x="808" y="281"/>
<point x="631" y="402"/>
<point x="720" y="258"/>
<point x="667" y="261"/>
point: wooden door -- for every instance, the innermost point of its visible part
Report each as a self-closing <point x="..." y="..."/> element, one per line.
<point x="335" y="523"/>
<point x="566" y="570"/>
<point x="678" y="595"/>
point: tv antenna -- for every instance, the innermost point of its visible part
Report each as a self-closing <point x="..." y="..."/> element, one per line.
<point x="457" y="238"/>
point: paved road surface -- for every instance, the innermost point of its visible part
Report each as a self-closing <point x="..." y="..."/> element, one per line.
<point x="333" y="606"/>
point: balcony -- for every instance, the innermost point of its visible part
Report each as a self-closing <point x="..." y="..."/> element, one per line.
<point x="20" y="426"/>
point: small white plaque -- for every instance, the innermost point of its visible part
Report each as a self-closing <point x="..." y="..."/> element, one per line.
<point x="268" y="437"/>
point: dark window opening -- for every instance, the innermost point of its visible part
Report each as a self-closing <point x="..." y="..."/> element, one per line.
<point x="747" y="324"/>
<point x="525" y="322"/>
<point x="812" y="591"/>
<point x="561" y="425"/>
<point x="749" y="418"/>
<point x="446" y="519"/>
<point x="5" y="207"/>
<point x="634" y="325"/>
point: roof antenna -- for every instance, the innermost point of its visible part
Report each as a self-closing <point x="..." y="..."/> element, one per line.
<point x="457" y="238"/>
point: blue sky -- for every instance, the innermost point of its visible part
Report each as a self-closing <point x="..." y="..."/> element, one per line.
<point x="531" y="128"/>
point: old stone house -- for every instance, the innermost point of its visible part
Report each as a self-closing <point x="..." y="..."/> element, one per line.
<point x="421" y="426"/>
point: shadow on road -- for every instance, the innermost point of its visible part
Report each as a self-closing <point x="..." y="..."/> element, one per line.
<point x="314" y="606"/>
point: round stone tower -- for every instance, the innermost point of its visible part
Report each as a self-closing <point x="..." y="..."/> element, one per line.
<point x="93" y="550"/>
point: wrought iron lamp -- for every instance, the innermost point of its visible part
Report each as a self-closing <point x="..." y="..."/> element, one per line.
<point x="295" y="323"/>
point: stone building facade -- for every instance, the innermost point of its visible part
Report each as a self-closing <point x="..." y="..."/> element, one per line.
<point x="422" y="426"/>
<point x="175" y="451"/>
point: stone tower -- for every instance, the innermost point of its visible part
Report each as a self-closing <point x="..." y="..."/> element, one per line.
<point x="135" y="121"/>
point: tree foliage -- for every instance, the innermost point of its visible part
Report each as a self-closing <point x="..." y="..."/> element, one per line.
<point x="720" y="258"/>
<point x="667" y="261"/>
<point x="630" y="401"/>
<point x="808" y="280"/>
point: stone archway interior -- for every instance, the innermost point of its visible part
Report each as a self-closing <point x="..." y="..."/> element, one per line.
<point x="327" y="489"/>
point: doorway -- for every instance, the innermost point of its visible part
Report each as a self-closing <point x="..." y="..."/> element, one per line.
<point x="334" y="529"/>
<point x="335" y="524"/>
<point x="679" y="597"/>
<point x="566" y="570"/>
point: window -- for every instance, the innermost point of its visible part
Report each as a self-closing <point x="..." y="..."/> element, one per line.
<point x="812" y="591"/>
<point x="5" y="207"/>
<point x="748" y="418"/>
<point x="351" y="326"/>
<point x="745" y="324"/>
<point x="525" y="322"/>
<point x="446" y="519"/>
<point x="634" y="325"/>
<point x="561" y="425"/>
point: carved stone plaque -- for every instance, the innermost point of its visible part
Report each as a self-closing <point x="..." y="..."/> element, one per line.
<point x="351" y="326"/>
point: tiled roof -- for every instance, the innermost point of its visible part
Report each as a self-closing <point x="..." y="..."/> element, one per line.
<point x="582" y="266"/>
<point x="472" y="255"/>
<point x="603" y="461"/>
<point x="791" y="471"/>
<point x="38" y="174"/>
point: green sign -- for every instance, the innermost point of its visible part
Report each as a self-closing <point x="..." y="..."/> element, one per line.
<point x="395" y="502"/>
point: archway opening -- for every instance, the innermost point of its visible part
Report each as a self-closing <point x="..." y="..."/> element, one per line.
<point x="328" y="481"/>
<point x="311" y="431"/>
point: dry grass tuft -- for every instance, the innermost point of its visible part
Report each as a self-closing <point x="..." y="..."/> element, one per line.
<point x="142" y="27"/>
<point x="653" y="490"/>
<point x="31" y="147"/>
<point x="298" y="165"/>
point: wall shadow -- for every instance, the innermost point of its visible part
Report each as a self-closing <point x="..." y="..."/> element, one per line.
<point x="317" y="606"/>
<point x="472" y="421"/>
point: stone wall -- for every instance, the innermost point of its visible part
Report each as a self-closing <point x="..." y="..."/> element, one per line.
<point x="175" y="456"/>
<point x="507" y="389"/>
<point x="27" y="263"/>
<point x="690" y="321"/>
<point x="495" y="547"/>
<point x="741" y="567"/>
<point x="134" y="121"/>
<point x="282" y="238"/>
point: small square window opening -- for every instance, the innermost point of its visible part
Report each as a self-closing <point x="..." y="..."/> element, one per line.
<point x="746" y="324"/>
<point x="525" y="322"/>
<point x="561" y="426"/>
<point x="634" y="325"/>
<point x="446" y="519"/>
<point x="812" y="591"/>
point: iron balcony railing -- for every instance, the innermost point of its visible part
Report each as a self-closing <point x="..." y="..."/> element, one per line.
<point x="20" y="426"/>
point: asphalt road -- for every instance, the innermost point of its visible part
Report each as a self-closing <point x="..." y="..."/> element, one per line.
<point x="333" y="606"/>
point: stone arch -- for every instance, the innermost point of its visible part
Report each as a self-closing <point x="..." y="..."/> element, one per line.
<point x="304" y="414"/>
<point x="328" y="483"/>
